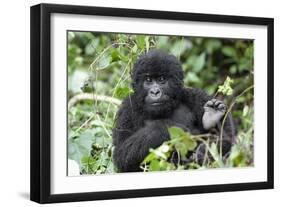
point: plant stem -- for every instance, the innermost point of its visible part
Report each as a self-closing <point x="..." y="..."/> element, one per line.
<point x="228" y="111"/>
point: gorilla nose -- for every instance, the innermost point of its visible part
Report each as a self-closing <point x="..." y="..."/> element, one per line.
<point x="156" y="92"/>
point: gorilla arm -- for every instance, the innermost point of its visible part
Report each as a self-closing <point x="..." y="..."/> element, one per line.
<point x="132" y="147"/>
<point x="209" y="113"/>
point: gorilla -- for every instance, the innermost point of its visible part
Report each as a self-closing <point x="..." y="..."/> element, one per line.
<point x="160" y="101"/>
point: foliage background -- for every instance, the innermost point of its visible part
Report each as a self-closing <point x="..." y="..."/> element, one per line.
<point x="99" y="68"/>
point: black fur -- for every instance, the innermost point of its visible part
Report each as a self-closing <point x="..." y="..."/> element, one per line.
<point x="138" y="129"/>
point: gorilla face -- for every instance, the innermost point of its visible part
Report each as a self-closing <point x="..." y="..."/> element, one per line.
<point x="159" y="98"/>
<point x="156" y="91"/>
<point x="157" y="83"/>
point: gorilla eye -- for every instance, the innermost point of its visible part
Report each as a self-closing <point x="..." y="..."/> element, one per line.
<point x="148" y="79"/>
<point x="161" y="79"/>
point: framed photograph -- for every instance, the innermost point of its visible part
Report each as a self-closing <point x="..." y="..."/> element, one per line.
<point x="133" y="103"/>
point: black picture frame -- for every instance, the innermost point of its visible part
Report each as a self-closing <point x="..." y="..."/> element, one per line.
<point x="41" y="102"/>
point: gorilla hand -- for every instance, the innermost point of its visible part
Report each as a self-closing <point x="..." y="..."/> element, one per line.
<point x="214" y="110"/>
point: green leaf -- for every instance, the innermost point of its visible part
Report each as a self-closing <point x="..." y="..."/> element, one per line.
<point x="199" y="62"/>
<point x="140" y="40"/>
<point x="103" y="62"/>
<point x="124" y="58"/>
<point x="184" y="146"/>
<point x="163" y="42"/>
<point x="189" y="143"/>
<point x="182" y="149"/>
<point x="229" y="51"/>
<point x="123" y="92"/>
<point x="176" y="132"/>
<point x="91" y="48"/>
<point x="100" y="143"/>
<point x="182" y="141"/>
<point x="154" y="165"/>
<point x="213" y="44"/>
<point x="179" y="47"/>
<point x="244" y="64"/>
<point x="87" y="164"/>
<point x="162" y="152"/>
<point x="166" y="165"/>
<point x="249" y="52"/>
<point x="79" y="147"/>
<point x="115" y="56"/>
<point x="192" y="77"/>
<point x="151" y="156"/>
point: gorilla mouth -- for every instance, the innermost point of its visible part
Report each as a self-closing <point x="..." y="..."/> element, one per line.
<point x="157" y="103"/>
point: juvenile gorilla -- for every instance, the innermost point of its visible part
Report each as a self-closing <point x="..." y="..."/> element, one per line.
<point x="160" y="101"/>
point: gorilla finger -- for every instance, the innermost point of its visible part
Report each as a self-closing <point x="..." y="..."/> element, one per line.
<point x="218" y="102"/>
<point x="214" y="100"/>
<point x="222" y="107"/>
<point x="209" y="103"/>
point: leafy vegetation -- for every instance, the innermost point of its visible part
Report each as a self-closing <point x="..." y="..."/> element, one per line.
<point x="99" y="67"/>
